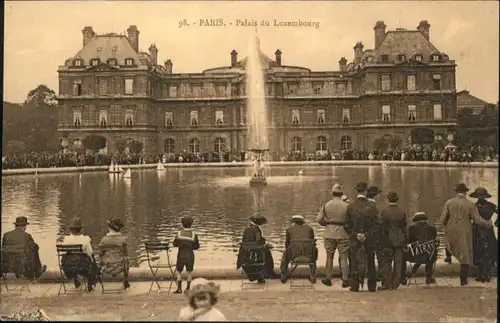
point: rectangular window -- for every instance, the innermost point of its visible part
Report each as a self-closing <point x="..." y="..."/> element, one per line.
<point x="384" y="58"/>
<point x="385" y="81"/>
<point x="436" y="79"/>
<point x="77" y="88"/>
<point x="219" y="117"/>
<point x="411" y="82"/>
<point x="129" y="62"/>
<point x="386" y="113"/>
<point x="103" y="87"/>
<point x="295" y="116"/>
<point x="346" y="115"/>
<point x="349" y="87"/>
<point x="94" y="62"/>
<point x="129" y="117"/>
<point x="438" y="112"/>
<point x="103" y="118"/>
<point x="193" y="119"/>
<point x="292" y="89"/>
<point x="418" y="58"/>
<point x="129" y="86"/>
<point x="341" y="88"/>
<point x="435" y="58"/>
<point x="169" y="119"/>
<point x="77" y="118"/>
<point x="78" y="62"/>
<point x="320" y="116"/>
<point x="401" y="58"/>
<point x="412" y="113"/>
<point x="269" y="89"/>
<point x="318" y="88"/>
<point x="197" y="91"/>
<point x="221" y="90"/>
<point x="172" y="91"/>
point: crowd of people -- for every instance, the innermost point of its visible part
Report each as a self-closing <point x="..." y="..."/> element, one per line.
<point x="413" y="153"/>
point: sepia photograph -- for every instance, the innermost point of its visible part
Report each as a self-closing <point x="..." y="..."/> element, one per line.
<point x="315" y="161"/>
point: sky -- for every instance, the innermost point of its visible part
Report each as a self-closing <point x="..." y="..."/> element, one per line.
<point x="40" y="36"/>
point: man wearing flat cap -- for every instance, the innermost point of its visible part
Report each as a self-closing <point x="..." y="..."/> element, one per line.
<point x="393" y="225"/>
<point x="360" y="225"/>
<point x="332" y="216"/>
<point x="299" y="243"/>
<point x="253" y="235"/>
<point x="457" y="217"/>
<point x="18" y="241"/>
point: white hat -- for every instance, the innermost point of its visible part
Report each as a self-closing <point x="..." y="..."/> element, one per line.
<point x="337" y="189"/>
<point x="344" y="198"/>
<point x="298" y="217"/>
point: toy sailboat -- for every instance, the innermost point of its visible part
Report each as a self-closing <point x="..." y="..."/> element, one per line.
<point x="113" y="169"/>
<point x="128" y="173"/>
<point x="160" y="166"/>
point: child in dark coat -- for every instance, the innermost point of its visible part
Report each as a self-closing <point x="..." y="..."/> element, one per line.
<point x="187" y="241"/>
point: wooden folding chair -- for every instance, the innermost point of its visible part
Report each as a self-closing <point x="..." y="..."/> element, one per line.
<point x="303" y="255"/>
<point x="154" y="250"/>
<point x="113" y="262"/>
<point x="67" y="250"/>
<point x="416" y="256"/>
<point x="254" y="260"/>
<point x="13" y="262"/>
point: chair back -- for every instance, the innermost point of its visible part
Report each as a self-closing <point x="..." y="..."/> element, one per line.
<point x="153" y="249"/>
<point x="253" y="254"/>
<point x="301" y="251"/>
<point x="14" y="260"/>
<point x="421" y="252"/>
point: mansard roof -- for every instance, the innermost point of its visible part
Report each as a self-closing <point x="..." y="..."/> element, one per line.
<point x="465" y="99"/>
<point x="406" y="42"/>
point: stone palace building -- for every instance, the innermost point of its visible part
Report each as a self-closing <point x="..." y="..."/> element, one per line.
<point x="113" y="90"/>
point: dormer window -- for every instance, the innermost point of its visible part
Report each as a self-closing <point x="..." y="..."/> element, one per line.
<point x="78" y="62"/>
<point x="129" y="61"/>
<point x="384" y="58"/>
<point x="94" y="61"/>
<point x="436" y="58"/>
<point x="112" y="61"/>
<point x="401" y="58"/>
<point x="418" y="58"/>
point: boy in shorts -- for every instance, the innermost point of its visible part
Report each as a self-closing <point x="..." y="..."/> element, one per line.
<point x="187" y="241"/>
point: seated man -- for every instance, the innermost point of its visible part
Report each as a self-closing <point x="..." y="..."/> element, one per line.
<point x="115" y="260"/>
<point x="253" y="235"/>
<point x="79" y="264"/>
<point x="18" y="241"/>
<point x="299" y="236"/>
<point x="421" y="232"/>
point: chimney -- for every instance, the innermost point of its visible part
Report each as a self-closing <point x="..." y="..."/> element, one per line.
<point x="278" y="57"/>
<point x="133" y="37"/>
<point x="168" y="66"/>
<point x="379" y="33"/>
<point x="88" y="34"/>
<point x="358" y="52"/>
<point x="234" y="58"/>
<point x="153" y="52"/>
<point x="424" y="27"/>
<point x="342" y="64"/>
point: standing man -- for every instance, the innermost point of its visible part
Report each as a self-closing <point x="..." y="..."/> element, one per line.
<point x="457" y="217"/>
<point x="332" y="217"/>
<point x="360" y="224"/>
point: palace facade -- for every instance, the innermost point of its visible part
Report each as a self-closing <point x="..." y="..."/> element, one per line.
<point x="113" y="90"/>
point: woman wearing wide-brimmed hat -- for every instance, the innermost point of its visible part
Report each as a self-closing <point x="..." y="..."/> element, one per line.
<point x="253" y="235"/>
<point x="485" y="243"/>
<point x="202" y="297"/>
<point x="457" y="217"/>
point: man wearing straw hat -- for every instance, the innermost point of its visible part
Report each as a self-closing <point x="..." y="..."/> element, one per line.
<point x="331" y="216"/>
<point x="297" y="237"/>
<point x="458" y="212"/>
<point x="19" y="240"/>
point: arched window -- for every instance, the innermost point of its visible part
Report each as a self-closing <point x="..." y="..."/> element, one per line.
<point x="219" y="145"/>
<point x="296" y="144"/>
<point x="345" y="142"/>
<point x="194" y="146"/>
<point x="321" y="143"/>
<point x="169" y="145"/>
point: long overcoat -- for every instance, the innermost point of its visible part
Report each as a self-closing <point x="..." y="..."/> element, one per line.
<point x="457" y="217"/>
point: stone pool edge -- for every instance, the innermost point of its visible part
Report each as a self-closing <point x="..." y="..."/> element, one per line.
<point x="56" y="170"/>
<point x="52" y="275"/>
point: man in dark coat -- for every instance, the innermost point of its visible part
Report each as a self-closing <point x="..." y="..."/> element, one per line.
<point x="299" y="242"/>
<point x="394" y="229"/>
<point x="421" y="232"/>
<point x="485" y="244"/>
<point x="18" y="241"/>
<point x="360" y="224"/>
<point x="252" y="236"/>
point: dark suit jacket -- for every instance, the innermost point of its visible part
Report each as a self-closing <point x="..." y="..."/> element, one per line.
<point x="422" y="232"/>
<point x="299" y="232"/>
<point x="361" y="217"/>
<point x="394" y="225"/>
<point x="18" y="240"/>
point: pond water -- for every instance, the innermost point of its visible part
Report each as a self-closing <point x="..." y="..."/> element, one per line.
<point x="152" y="203"/>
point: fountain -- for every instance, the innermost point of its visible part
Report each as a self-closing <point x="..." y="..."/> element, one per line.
<point x="256" y="111"/>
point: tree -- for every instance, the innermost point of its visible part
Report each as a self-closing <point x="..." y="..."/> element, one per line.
<point x="41" y="96"/>
<point x="94" y="143"/>
<point x="422" y="136"/>
<point x="135" y="147"/>
<point x="16" y="147"/>
<point x="380" y="144"/>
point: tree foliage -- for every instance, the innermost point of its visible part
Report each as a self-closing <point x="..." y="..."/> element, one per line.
<point x="422" y="136"/>
<point x="135" y="147"/>
<point x="94" y="143"/>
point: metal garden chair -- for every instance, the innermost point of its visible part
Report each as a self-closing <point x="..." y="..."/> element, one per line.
<point x="419" y="253"/>
<point x="113" y="262"/>
<point x="303" y="255"/>
<point x="254" y="260"/>
<point x="153" y="252"/>
<point x="67" y="251"/>
<point x="13" y="262"/>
